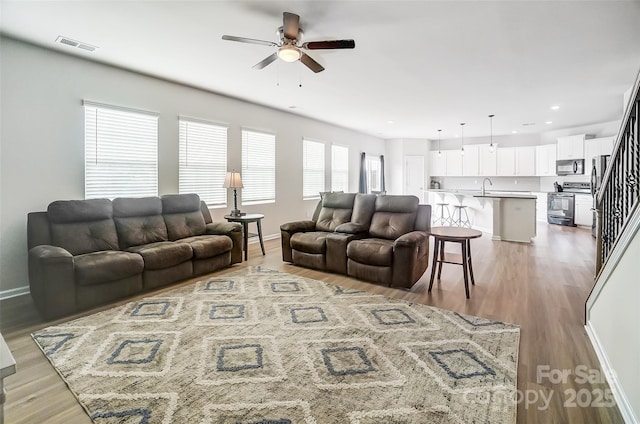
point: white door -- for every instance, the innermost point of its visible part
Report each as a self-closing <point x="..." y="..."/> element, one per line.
<point x="414" y="176"/>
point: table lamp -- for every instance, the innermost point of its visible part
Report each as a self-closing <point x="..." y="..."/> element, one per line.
<point x="234" y="181"/>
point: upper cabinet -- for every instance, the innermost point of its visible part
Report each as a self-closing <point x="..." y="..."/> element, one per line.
<point x="454" y="162"/>
<point x="488" y="160"/>
<point x="571" y="147"/>
<point x="516" y="161"/>
<point x="546" y="160"/>
<point x="471" y="161"/>
<point x="596" y="147"/>
<point x="437" y="164"/>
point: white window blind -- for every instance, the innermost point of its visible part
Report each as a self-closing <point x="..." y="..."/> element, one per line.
<point x="258" y="167"/>
<point x="203" y="161"/>
<point x="121" y="152"/>
<point x="339" y="168"/>
<point x="312" y="169"/>
<point x="374" y="176"/>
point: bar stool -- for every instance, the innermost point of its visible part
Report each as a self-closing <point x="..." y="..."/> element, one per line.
<point x="460" y="221"/>
<point x="439" y="217"/>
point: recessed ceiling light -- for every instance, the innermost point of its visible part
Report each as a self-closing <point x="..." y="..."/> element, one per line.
<point x="293" y="107"/>
<point x="548" y="122"/>
<point x="514" y="132"/>
<point x="391" y="122"/>
<point x="555" y="107"/>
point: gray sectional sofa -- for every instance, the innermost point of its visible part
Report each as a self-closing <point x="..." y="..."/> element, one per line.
<point x="84" y="253"/>
<point x="378" y="238"/>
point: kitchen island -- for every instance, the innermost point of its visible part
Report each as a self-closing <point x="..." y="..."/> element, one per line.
<point x="508" y="216"/>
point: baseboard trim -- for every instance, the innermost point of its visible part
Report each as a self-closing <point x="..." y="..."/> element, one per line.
<point x="264" y="238"/>
<point x="618" y="393"/>
<point x="18" y="291"/>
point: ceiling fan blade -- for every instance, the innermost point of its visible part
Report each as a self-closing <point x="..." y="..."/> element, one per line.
<point x="266" y="61"/>
<point x="291" y="25"/>
<point x="249" y="40"/>
<point x="311" y="64"/>
<point x="336" y="44"/>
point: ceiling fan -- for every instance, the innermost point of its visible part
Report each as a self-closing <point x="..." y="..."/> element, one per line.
<point x="290" y="46"/>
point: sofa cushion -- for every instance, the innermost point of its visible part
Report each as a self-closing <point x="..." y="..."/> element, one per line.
<point x="208" y="246"/>
<point x="139" y="221"/>
<point x="336" y="209"/>
<point x="103" y="267"/>
<point x="371" y="251"/>
<point x="393" y="216"/>
<point x="183" y="216"/>
<point x="311" y="242"/>
<point x="163" y="254"/>
<point x="82" y="226"/>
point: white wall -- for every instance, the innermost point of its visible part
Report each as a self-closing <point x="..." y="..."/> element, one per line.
<point x="42" y="139"/>
<point x="614" y="317"/>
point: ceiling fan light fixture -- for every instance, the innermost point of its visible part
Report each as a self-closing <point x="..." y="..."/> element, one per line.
<point x="289" y="53"/>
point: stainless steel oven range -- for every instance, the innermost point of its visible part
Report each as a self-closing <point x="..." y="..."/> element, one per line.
<point x="561" y="204"/>
<point x="561" y="208"/>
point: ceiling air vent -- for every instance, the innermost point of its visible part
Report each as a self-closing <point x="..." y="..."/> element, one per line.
<point x="73" y="43"/>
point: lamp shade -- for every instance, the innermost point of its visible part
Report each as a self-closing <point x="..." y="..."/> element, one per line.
<point x="233" y="180"/>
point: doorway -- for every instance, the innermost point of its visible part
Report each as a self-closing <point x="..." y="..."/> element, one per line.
<point x="414" y="176"/>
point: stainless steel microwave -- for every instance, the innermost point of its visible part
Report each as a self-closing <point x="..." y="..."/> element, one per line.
<point x="570" y="167"/>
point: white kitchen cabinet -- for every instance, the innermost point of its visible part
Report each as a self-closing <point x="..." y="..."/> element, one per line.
<point x="546" y="160"/>
<point x="571" y="147"/>
<point x="596" y="147"/>
<point x="526" y="161"/>
<point x="488" y="160"/>
<point x="541" y="205"/>
<point x="506" y="157"/>
<point x="471" y="161"/>
<point x="437" y="164"/>
<point x="583" y="215"/>
<point x="516" y="161"/>
<point x="454" y="163"/>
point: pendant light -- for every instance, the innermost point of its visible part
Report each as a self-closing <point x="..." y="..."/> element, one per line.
<point x="439" y="152"/>
<point x="491" y="148"/>
<point x="462" y="134"/>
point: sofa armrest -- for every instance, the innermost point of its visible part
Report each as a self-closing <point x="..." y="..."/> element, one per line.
<point x="298" y="226"/>
<point x="52" y="280"/>
<point x="287" y="230"/>
<point x="351" y="228"/>
<point x="411" y="258"/>
<point x="412" y="239"/>
<point x="233" y="230"/>
<point x="223" y="228"/>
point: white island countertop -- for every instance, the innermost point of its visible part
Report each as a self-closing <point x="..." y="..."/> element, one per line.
<point x="497" y="194"/>
<point x="507" y="215"/>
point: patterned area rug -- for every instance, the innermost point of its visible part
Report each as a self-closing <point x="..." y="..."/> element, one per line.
<point x="264" y="347"/>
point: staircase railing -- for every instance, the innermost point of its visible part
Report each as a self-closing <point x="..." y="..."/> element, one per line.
<point x="617" y="199"/>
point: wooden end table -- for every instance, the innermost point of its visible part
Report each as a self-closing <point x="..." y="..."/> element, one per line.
<point x="458" y="235"/>
<point x="245" y="220"/>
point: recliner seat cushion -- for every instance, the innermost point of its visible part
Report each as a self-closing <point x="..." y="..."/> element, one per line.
<point x="183" y="216"/>
<point x="83" y="226"/>
<point x="371" y="251"/>
<point x="207" y="246"/>
<point x="163" y="254"/>
<point x="336" y="209"/>
<point x="102" y="267"/>
<point x="139" y="221"/>
<point x="310" y="242"/>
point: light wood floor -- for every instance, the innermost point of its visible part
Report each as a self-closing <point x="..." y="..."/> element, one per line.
<point x="540" y="286"/>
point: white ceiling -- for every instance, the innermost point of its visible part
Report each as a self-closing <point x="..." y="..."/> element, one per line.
<point x="426" y="65"/>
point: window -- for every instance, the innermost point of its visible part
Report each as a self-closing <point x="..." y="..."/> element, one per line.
<point x="258" y="167"/>
<point x="339" y="168"/>
<point x="203" y="161"/>
<point x="312" y="169"/>
<point x="374" y="173"/>
<point x="121" y="152"/>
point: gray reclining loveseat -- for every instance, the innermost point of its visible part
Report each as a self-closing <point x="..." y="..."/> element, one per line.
<point x="84" y="253"/>
<point x="378" y="238"/>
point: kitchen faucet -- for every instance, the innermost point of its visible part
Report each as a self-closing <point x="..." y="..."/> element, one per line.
<point x="483" y="181"/>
